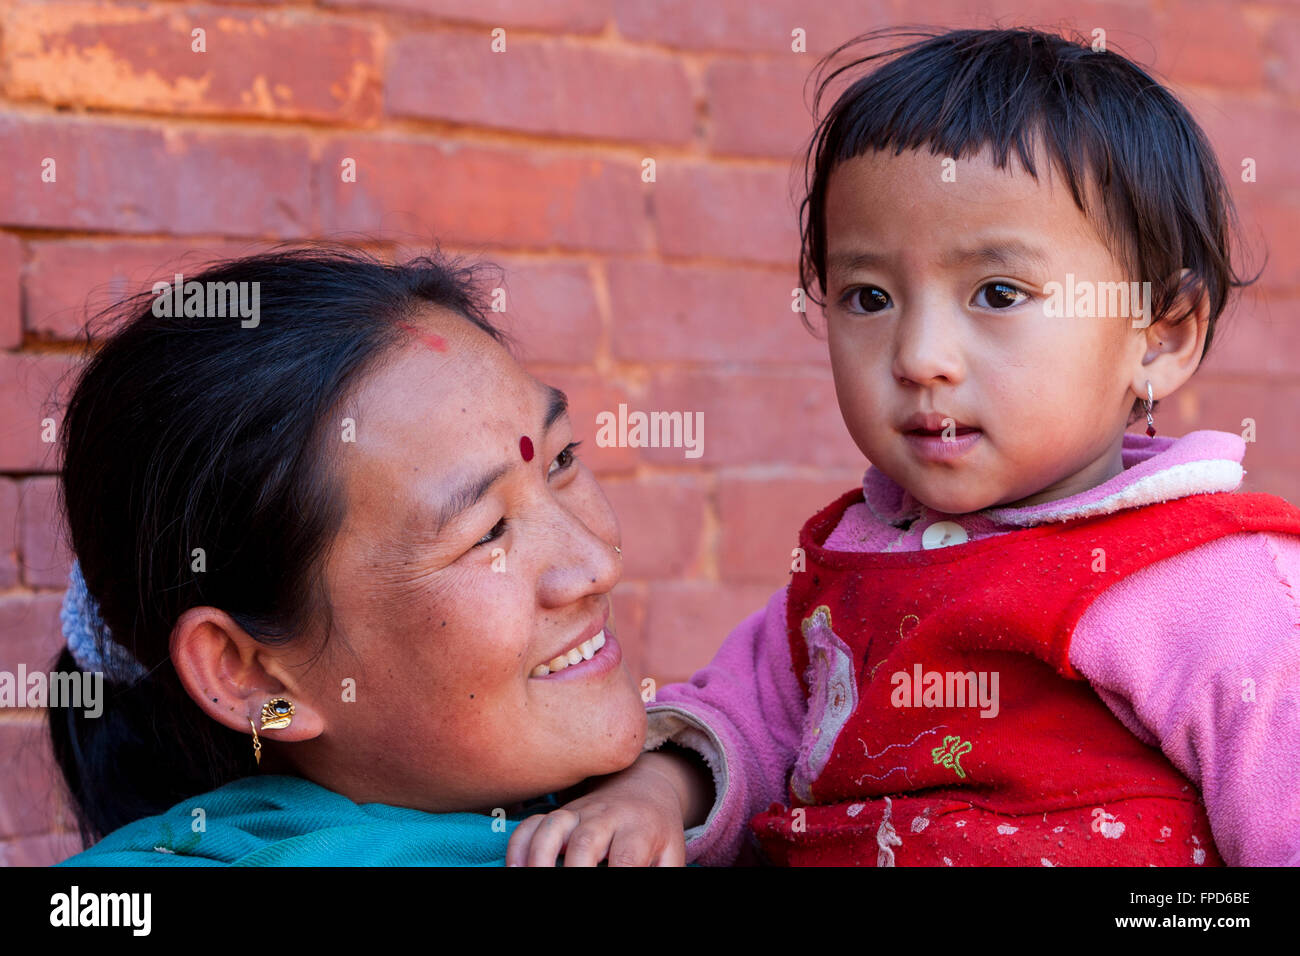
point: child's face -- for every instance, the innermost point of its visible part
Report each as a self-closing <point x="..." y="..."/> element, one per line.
<point x="913" y="330"/>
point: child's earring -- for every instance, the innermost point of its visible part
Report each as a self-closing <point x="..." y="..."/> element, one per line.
<point x="1151" y="422"/>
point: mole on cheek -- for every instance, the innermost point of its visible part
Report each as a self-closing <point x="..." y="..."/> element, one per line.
<point x="526" y="448"/>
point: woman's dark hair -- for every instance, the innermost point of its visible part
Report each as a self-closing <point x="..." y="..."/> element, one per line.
<point x="189" y="432"/>
<point x="1099" y="117"/>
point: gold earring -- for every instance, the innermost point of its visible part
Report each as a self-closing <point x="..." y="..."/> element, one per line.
<point x="276" y="713"/>
<point x="257" y="744"/>
<point x="618" y="549"/>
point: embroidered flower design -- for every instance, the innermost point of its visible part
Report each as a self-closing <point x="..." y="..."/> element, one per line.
<point x="951" y="752"/>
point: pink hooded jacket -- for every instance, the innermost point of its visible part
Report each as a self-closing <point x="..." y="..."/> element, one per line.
<point x="1174" y="650"/>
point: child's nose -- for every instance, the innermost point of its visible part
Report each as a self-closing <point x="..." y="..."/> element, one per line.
<point x="927" y="347"/>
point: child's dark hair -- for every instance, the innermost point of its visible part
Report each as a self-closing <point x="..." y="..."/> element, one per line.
<point x="1099" y="117"/>
<point x="197" y="432"/>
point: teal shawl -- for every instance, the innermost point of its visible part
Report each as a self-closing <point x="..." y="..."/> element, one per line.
<point x="277" y="820"/>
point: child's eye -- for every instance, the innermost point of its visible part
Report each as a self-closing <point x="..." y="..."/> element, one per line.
<point x="564" y="459"/>
<point x="497" y="531"/>
<point x="866" y="298"/>
<point x="1006" y="295"/>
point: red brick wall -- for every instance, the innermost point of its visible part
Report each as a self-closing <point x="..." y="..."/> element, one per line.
<point x="666" y="295"/>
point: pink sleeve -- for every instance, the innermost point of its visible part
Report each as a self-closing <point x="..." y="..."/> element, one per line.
<point x="744" y="714"/>
<point x="1200" y="654"/>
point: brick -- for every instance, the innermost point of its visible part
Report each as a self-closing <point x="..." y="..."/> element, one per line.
<point x="550" y="311"/>
<point x="590" y="394"/>
<point x="728" y="212"/>
<point x="760" y="520"/>
<point x="1210" y="402"/>
<point x="1283" y="67"/>
<point x="181" y="181"/>
<point x="1231" y="53"/>
<point x="45" y="849"/>
<point x="663" y="522"/>
<point x="32" y="389"/>
<point x="745" y="26"/>
<point x="1268" y="213"/>
<point x="667" y="313"/>
<point x="1240" y="126"/>
<point x="628" y="626"/>
<point x="30" y="632"/>
<point x="510" y="198"/>
<point x="269" y="64"/>
<point x="687" y="621"/>
<point x="71" y="281"/>
<point x="10" y="530"/>
<point x="1263" y="341"/>
<point x="567" y="16"/>
<point x="11" y="307"/>
<point x="756" y="108"/>
<point x="753" y="419"/>
<point x="540" y="86"/>
<point x="33" y="800"/>
<point x="46" y="557"/>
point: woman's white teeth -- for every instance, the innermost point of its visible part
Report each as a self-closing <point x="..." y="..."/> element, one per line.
<point x="583" y="652"/>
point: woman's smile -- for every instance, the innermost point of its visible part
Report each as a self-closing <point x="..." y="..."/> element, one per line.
<point x="594" y="657"/>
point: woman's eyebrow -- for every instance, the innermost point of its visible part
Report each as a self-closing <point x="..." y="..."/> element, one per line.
<point x="557" y="403"/>
<point x="467" y="496"/>
<point x="472" y="491"/>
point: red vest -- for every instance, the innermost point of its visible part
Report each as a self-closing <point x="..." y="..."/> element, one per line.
<point x="901" y="654"/>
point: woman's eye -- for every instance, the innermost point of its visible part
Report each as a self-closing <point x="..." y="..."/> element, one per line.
<point x="867" y="298"/>
<point x="497" y="531"/>
<point x="564" y="459"/>
<point x="1004" y="296"/>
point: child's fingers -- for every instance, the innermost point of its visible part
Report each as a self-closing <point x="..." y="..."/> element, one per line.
<point x="632" y="847"/>
<point x="549" y="837"/>
<point x="674" y="854"/>
<point x="517" y="847"/>
<point x="587" y="845"/>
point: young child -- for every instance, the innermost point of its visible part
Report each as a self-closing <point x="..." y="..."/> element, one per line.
<point x="1030" y="637"/>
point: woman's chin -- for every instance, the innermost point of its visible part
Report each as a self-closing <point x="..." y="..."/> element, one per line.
<point x="607" y="744"/>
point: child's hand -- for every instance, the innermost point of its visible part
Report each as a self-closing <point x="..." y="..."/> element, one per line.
<point x="633" y="818"/>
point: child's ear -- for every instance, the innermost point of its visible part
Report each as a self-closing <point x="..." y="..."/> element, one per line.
<point x="1176" y="339"/>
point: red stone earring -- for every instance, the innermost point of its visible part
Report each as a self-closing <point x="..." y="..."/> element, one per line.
<point x="1151" y="422"/>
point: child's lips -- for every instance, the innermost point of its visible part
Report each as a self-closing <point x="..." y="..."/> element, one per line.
<point x="938" y="432"/>
<point x="934" y="446"/>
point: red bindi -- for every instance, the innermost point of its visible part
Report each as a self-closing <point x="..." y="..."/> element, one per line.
<point x="526" y="448"/>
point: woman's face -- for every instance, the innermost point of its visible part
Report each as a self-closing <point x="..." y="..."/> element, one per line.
<point x="475" y="551"/>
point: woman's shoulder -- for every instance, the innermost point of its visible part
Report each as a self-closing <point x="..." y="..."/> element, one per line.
<point x="281" y="820"/>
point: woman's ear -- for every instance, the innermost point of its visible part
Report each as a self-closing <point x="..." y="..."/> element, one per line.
<point x="231" y="676"/>
<point x="1173" y="349"/>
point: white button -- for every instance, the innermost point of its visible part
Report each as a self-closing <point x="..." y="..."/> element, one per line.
<point x="942" y="534"/>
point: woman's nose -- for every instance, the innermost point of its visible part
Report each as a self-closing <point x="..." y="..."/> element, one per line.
<point x="582" y="554"/>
